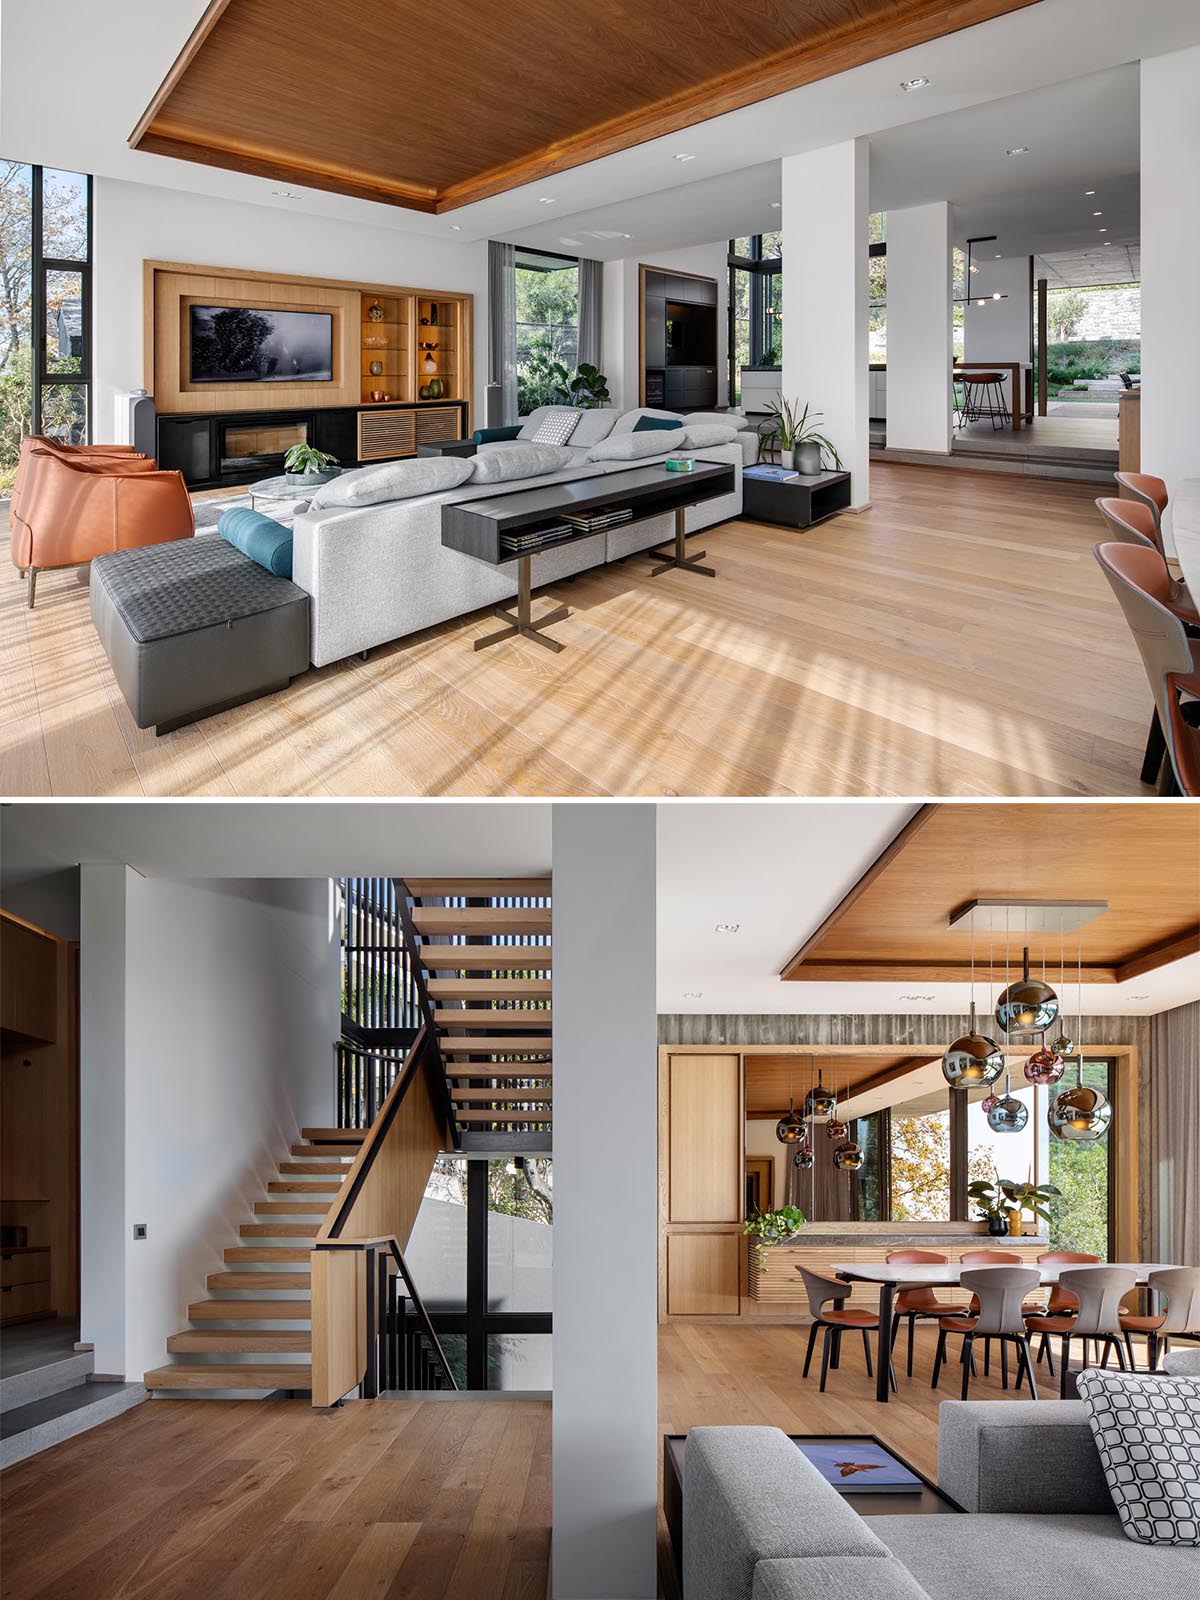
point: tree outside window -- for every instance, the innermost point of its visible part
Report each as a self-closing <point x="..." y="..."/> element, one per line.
<point x="547" y="325"/>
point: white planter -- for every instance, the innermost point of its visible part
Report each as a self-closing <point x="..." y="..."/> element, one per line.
<point x="786" y="457"/>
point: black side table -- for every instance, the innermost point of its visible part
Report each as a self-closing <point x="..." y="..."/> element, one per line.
<point x="448" y="447"/>
<point x="797" y="502"/>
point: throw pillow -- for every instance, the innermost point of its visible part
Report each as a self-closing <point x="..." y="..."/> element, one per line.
<point x="393" y="480"/>
<point x="1147" y="1432"/>
<point x="265" y="541"/>
<point x="628" y="420"/>
<point x="502" y="463"/>
<point x="700" y="434"/>
<point x="655" y="424"/>
<point x="555" y="428"/>
<point x="633" y="446"/>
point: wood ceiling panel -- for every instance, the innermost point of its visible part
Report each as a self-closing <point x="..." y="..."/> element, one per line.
<point x="770" y="1079"/>
<point x="433" y="107"/>
<point x="1144" y="859"/>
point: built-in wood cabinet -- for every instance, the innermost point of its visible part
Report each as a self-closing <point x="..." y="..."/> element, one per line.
<point x="29" y="995"/>
<point x="700" y="1183"/>
<point x="702" y="1274"/>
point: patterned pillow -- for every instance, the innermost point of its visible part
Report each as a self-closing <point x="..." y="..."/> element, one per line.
<point x="555" y="428"/>
<point x="1147" y="1431"/>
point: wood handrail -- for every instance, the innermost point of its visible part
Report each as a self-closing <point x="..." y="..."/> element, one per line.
<point x="389" y="1242"/>
<point x="420" y="978"/>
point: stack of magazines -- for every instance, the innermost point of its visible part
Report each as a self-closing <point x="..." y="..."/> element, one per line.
<point x="520" y="544"/>
<point x="596" y="521"/>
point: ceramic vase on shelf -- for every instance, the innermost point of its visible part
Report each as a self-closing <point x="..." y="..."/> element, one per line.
<point x="376" y="369"/>
<point x="1014" y="1223"/>
<point x="428" y="365"/>
<point x="808" y="459"/>
<point x="997" y="1224"/>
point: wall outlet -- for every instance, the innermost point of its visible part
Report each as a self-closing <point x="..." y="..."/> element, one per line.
<point x="139" y="1230"/>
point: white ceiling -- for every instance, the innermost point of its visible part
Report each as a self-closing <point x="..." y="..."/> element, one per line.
<point x="100" y="86"/>
<point x="778" y="869"/>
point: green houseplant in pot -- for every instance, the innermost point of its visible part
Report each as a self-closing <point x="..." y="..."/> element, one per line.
<point x="989" y="1198"/>
<point x="306" y="464"/>
<point x="587" y="388"/>
<point x="771" y="1227"/>
<point x="800" y="443"/>
<point x="1032" y="1197"/>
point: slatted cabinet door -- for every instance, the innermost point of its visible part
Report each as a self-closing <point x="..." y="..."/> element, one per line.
<point x="700" y="1184"/>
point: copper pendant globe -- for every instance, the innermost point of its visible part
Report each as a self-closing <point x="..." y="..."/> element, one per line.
<point x="836" y="1130"/>
<point x="803" y="1159"/>
<point x="1044" y="1067"/>
<point x="989" y="1100"/>
<point x="972" y="1059"/>
<point x="1028" y="1006"/>
<point x="791" y="1129"/>
<point x="848" y="1157"/>
<point x="1079" y="1115"/>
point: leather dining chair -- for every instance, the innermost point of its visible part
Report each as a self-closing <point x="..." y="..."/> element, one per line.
<point x="1142" y="585"/>
<point x="821" y="1290"/>
<point x="1062" y="1303"/>
<point x="1130" y="523"/>
<point x="1147" y="491"/>
<point x="999" y="1293"/>
<point x="914" y="1303"/>
<point x="1181" y="1288"/>
<point x="1099" y="1291"/>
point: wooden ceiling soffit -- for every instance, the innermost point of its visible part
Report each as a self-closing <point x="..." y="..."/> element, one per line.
<point x="848" y="34"/>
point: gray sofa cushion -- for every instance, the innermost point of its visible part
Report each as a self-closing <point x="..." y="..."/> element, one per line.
<point x="1014" y="1558"/>
<point x="628" y="420"/>
<point x="835" y="1578"/>
<point x="749" y="1495"/>
<point x="700" y="434"/>
<point x="504" y="463"/>
<point x="392" y="480"/>
<point x="594" y="424"/>
<point x="636" y="446"/>
<point x="1182" y="1363"/>
<point x="1147" y="1431"/>
<point x="1020" y="1455"/>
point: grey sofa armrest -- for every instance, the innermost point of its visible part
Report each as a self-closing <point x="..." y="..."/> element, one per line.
<point x="835" y="1578"/>
<point x="1020" y="1456"/>
<point x="1182" y="1363"/>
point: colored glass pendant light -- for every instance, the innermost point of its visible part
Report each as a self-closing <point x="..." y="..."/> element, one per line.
<point x="848" y="1157"/>
<point x="1028" y="1006"/>
<point x="836" y="1130"/>
<point x="1008" y="1115"/>
<point x="803" y="1159"/>
<point x="818" y="1102"/>
<point x="1044" y="1066"/>
<point x="791" y="1129"/>
<point x="989" y="1100"/>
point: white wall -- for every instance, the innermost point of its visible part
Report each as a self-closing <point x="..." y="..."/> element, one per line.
<point x="605" y="1203"/>
<point x="137" y="222"/>
<point x="920" y="328"/>
<point x="1170" y="238"/>
<point x="229" y="1008"/>
<point x="620" y="343"/>
<point x="825" y="256"/>
<point x="1000" y="330"/>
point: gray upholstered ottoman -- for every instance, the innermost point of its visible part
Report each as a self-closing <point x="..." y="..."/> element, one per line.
<point x="194" y="627"/>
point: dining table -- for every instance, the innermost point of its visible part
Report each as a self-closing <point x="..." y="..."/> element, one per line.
<point x="1185" y="525"/>
<point x="893" y="1275"/>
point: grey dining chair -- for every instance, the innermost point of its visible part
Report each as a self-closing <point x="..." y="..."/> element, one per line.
<point x="1099" y="1291"/>
<point x="1180" y="1286"/>
<point x="1000" y="1292"/>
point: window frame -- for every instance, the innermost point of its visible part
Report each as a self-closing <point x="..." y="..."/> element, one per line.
<point x="41" y="265"/>
<point x="760" y="268"/>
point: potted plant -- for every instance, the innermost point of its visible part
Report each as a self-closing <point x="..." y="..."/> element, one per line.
<point x="587" y="388"/>
<point x="771" y="1227"/>
<point x="800" y="444"/>
<point x="305" y="464"/>
<point x="1022" y="1197"/>
<point x="989" y="1198"/>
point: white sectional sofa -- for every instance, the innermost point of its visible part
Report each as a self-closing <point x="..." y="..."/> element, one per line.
<point x="379" y="572"/>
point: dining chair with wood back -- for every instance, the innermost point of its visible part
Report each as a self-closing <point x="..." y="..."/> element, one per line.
<point x="820" y="1291"/>
<point x="1181" y="1288"/>
<point x="999" y="1292"/>
<point x="918" y="1302"/>
<point x="1099" y="1291"/>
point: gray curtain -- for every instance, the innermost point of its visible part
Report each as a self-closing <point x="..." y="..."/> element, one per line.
<point x="1172" y="1107"/>
<point x="502" y="331"/>
<point x="591" y="309"/>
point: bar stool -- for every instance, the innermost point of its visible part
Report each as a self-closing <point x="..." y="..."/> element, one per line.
<point x="1142" y="585"/>
<point x="992" y="386"/>
<point x="914" y="1303"/>
<point x="820" y="1291"/>
<point x="1150" y="492"/>
<point x="1181" y="1286"/>
<point x="1000" y="1293"/>
<point x="1099" y="1291"/>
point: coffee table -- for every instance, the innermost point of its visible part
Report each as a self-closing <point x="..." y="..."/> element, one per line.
<point x="929" y="1502"/>
<point x="282" y="488"/>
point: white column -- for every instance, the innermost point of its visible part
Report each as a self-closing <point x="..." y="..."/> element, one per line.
<point x="825" y="361"/>
<point x="102" y="1211"/>
<point x="1170" y="232"/>
<point x="997" y="330"/>
<point x="920" y="331"/>
<point x="605" y="1209"/>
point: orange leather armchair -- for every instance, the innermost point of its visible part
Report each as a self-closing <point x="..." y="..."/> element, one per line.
<point x="75" y="504"/>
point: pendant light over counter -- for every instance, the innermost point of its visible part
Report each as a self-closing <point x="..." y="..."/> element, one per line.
<point x="973" y="1058"/>
<point x="1079" y="1115"/>
<point x="791" y="1129"/>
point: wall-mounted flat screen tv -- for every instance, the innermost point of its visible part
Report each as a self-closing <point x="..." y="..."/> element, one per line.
<point x="246" y="344"/>
<point x="691" y="335"/>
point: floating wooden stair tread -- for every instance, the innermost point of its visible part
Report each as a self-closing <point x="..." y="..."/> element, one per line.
<point x="482" y="919"/>
<point x="490" y="988"/>
<point x="525" y="1097"/>
<point x="290" y="1208"/>
<point x="334" y="1135"/>
<point x="502" y="1071"/>
<point x="218" y="1281"/>
<point x="480" y="888"/>
<point x="279" y="1230"/>
<point x="250" y="1311"/>
<point x="481" y="1044"/>
<point x="487" y="957"/>
<point x="531" y="1018"/>
<point x="325" y="1150"/>
<point x="322" y="1187"/>
<point x="231" y="1375"/>
<point x="503" y="1117"/>
<point x="266" y="1253"/>
<point x="254" y="1341"/>
<point x="302" y="1169"/>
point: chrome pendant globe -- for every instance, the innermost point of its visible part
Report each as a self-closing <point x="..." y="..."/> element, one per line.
<point x="973" y="1059"/>
<point x="819" y="1102"/>
<point x="836" y="1130"/>
<point x="1044" y="1067"/>
<point x="1063" y="1046"/>
<point x="1029" y="1006"/>
<point x="803" y="1159"/>
<point x="792" y="1128"/>
<point x="1079" y="1115"/>
<point x="848" y="1157"/>
<point x="1008" y="1115"/>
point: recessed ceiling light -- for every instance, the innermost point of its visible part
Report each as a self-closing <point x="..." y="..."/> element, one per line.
<point x="727" y="927"/>
<point x="775" y="204"/>
<point x="693" y="994"/>
<point x="285" y="194"/>
<point x="456" y="227"/>
<point x="1103" y="230"/>
<point x="998" y="256"/>
<point x="684" y="156"/>
<point x="1089" y="193"/>
<point x="915" y="83"/>
<point x="627" y="236"/>
<point x="1139" y="997"/>
<point x="1097" y="213"/>
<point x="547" y="200"/>
<point x="1018" y="150"/>
<point x="916" y="997"/>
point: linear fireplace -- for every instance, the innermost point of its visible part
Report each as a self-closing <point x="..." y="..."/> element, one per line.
<point x="259" y="446"/>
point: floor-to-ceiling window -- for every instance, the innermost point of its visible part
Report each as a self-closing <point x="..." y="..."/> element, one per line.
<point x="877" y="288"/>
<point x="755" y="305"/>
<point x="45" y="307"/>
<point x="547" y="325"/>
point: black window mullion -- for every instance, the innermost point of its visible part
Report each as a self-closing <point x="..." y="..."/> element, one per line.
<point x="41" y="264"/>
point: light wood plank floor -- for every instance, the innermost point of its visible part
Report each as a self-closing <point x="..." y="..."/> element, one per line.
<point x="228" y="1499"/>
<point x="955" y="639"/>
